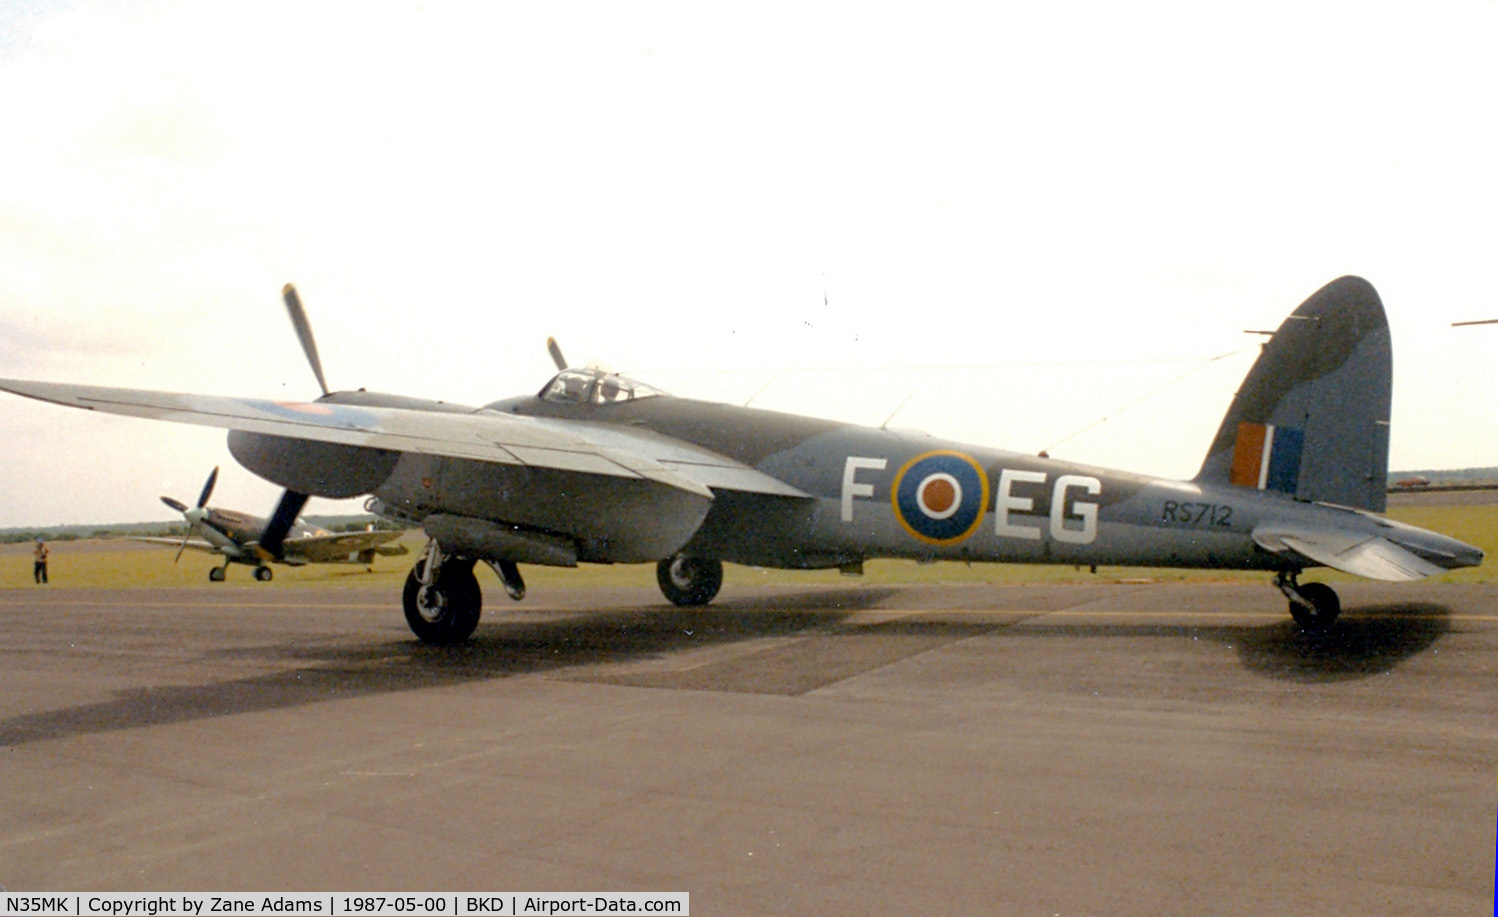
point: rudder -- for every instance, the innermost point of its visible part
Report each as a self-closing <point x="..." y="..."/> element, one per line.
<point x="1311" y="419"/>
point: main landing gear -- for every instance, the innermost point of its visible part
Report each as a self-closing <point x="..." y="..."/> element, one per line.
<point x="219" y="574"/>
<point x="1314" y="606"/>
<point x="442" y="599"/>
<point x="689" y="581"/>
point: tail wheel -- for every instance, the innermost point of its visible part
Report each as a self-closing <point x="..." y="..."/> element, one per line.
<point x="1323" y="610"/>
<point x="689" y="580"/>
<point x="447" y="611"/>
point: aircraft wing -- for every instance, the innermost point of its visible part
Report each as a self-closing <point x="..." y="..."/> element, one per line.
<point x="1357" y="553"/>
<point x="195" y="544"/>
<point x="488" y="436"/>
<point x="712" y="469"/>
<point x="321" y="549"/>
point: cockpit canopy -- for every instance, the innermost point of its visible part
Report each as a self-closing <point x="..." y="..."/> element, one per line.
<point x="594" y="386"/>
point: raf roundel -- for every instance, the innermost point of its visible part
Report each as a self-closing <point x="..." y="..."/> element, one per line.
<point x="940" y="497"/>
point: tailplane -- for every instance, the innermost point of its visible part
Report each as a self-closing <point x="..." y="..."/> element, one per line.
<point x="1311" y="419"/>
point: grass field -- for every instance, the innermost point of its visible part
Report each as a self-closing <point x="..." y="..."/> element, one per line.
<point x="124" y="564"/>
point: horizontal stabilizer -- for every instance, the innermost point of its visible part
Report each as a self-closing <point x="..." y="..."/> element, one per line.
<point x="1357" y="553"/>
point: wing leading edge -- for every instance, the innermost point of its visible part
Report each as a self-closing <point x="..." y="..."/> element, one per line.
<point x="193" y="544"/>
<point x="484" y="435"/>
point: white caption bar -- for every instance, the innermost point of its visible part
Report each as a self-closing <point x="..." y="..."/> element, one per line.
<point x="343" y="904"/>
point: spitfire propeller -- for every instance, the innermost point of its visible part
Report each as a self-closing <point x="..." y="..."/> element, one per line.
<point x="195" y="515"/>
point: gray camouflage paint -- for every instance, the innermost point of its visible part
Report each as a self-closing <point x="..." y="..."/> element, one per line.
<point x="639" y="480"/>
<point x="1328" y="371"/>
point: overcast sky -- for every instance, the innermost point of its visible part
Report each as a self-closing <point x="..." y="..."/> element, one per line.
<point x="1001" y="223"/>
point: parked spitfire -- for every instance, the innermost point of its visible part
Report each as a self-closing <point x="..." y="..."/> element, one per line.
<point x="236" y="536"/>
<point x="597" y="467"/>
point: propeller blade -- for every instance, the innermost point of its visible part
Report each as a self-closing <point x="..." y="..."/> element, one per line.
<point x="208" y="488"/>
<point x="304" y="332"/>
<point x="194" y="516"/>
<point x="553" y="348"/>
<point x="280" y="523"/>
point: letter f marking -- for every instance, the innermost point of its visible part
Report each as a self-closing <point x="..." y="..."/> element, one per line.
<point x="851" y="487"/>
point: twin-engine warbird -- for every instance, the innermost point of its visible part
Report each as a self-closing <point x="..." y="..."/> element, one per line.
<point x="599" y="468"/>
<point x="236" y="536"/>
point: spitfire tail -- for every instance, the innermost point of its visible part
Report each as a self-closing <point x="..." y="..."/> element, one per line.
<point x="1311" y="419"/>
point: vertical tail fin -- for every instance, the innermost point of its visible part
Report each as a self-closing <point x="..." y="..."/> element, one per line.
<point x="1311" y="419"/>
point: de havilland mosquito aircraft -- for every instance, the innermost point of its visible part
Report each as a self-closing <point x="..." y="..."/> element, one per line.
<point x="236" y="536"/>
<point x="599" y="468"/>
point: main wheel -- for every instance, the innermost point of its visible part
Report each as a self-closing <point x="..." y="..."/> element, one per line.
<point x="263" y="574"/>
<point x="689" y="580"/>
<point x="1325" y="606"/>
<point x="216" y="575"/>
<point x="447" y="611"/>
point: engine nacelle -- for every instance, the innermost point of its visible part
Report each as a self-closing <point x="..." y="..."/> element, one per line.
<point x="605" y="519"/>
<point x="309" y="467"/>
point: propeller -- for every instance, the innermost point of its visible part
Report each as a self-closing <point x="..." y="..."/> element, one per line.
<point x="304" y="332"/>
<point x="196" y="514"/>
<point x="556" y="354"/>
<point x="281" y="522"/>
<point x="555" y="349"/>
<point x="292" y="502"/>
<point x="208" y="488"/>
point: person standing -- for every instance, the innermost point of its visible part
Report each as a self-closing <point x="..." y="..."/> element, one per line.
<point x="41" y="562"/>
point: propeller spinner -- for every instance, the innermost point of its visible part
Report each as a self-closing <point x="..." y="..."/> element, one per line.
<point x="196" y="514"/>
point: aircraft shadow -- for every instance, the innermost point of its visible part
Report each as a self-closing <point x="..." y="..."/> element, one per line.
<point x="1367" y="640"/>
<point x="507" y="648"/>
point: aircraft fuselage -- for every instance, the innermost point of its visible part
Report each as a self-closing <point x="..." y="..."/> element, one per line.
<point x="882" y="493"/>
<point x="870" y="493"/>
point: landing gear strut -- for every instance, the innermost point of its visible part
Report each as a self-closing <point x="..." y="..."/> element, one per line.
<point x="442" y="600"/>
<point x="1314" y="606"/>
<point x="509" y="575"/>
<point x="689" y="580"/>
